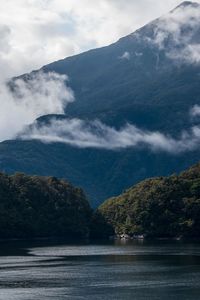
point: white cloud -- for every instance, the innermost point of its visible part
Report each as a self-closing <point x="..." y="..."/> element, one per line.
<point x="190" y="54"/>
<point x="36" y="32"/>
<point x="175" y="33"/>
<point x="195" y="111"/>
<point x="5" y="39"/>
<point x="45" y="94"/>
<point x="42" y="94"/>
<point x="126" y="55"/>
<point x="95" y="134"/>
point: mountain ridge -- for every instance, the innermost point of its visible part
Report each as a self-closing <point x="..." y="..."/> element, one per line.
<point x="146" y="88"/>
<point x="188" y="3"/>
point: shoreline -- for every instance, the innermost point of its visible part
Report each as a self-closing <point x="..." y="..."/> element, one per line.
<point x="88" y="240"/>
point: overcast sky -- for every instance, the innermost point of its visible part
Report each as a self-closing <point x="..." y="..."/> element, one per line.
<point x="36" y="32"/>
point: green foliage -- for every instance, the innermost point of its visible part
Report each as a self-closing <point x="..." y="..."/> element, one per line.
<point x="158" y="207"/>
<point x="33" y="206"/>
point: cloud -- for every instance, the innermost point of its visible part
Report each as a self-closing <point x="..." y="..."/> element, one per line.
<point x="24" y="101"/>
<point x="195" y="111"/>
<point x="34" y="33"/>
<point x="126" y="55"/>
<point x="189" y="54"/>
<point x="42" y="94"/>
<point x="47" y="93"/>
<point x="82" y="134"/>
<point x="4" y="39"/>
<point x="177" y="34"/>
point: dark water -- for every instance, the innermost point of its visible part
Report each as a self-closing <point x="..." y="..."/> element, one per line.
<point x="132" y="270"/>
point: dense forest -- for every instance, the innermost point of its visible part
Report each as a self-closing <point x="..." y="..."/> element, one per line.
<point x="158" y="207"/>
<point x="36" y="206"/>
<point x="33" y="206"/>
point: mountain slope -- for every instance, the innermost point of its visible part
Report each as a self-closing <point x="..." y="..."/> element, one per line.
<point x="140" y="86"/>
<point x="149" y="78"/>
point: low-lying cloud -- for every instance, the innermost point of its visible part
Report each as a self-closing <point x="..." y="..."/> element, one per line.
<point x="47" y="93"/>
<point x="177" y="33"/>
<point x="42" y="94"/>
<point x="82" y="134"/>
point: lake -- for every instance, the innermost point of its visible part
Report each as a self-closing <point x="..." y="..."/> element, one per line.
<point x="111" y="270"/>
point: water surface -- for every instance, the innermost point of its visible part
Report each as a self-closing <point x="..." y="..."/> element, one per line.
<point x="112" y="270"/>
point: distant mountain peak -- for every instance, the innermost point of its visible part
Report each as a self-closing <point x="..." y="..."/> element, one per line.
<point x="188" y="4"/>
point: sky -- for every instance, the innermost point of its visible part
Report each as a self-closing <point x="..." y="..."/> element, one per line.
<point x="36" y="32"/>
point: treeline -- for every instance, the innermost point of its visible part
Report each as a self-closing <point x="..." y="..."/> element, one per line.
<point x="158" y="207"/>
<point x="35" y="206"/>
<point x="32" y="206"/>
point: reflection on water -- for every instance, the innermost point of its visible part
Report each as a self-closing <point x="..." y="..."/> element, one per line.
<point x="112" y="270"/>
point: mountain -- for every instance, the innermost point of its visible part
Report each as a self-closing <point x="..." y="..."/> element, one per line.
<point x="35" y="206"/>
<point x="158" y="207"/>
<point x="149" y="79"/>
<point x="143" y="86"/>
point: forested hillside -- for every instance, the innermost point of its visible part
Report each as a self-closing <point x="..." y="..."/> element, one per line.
<point x="158" y="207"/>
<point x="33" y="206"/>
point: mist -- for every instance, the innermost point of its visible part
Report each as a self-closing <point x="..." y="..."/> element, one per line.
<point x="95" y="134"/>
<point x="42" y="94"/>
